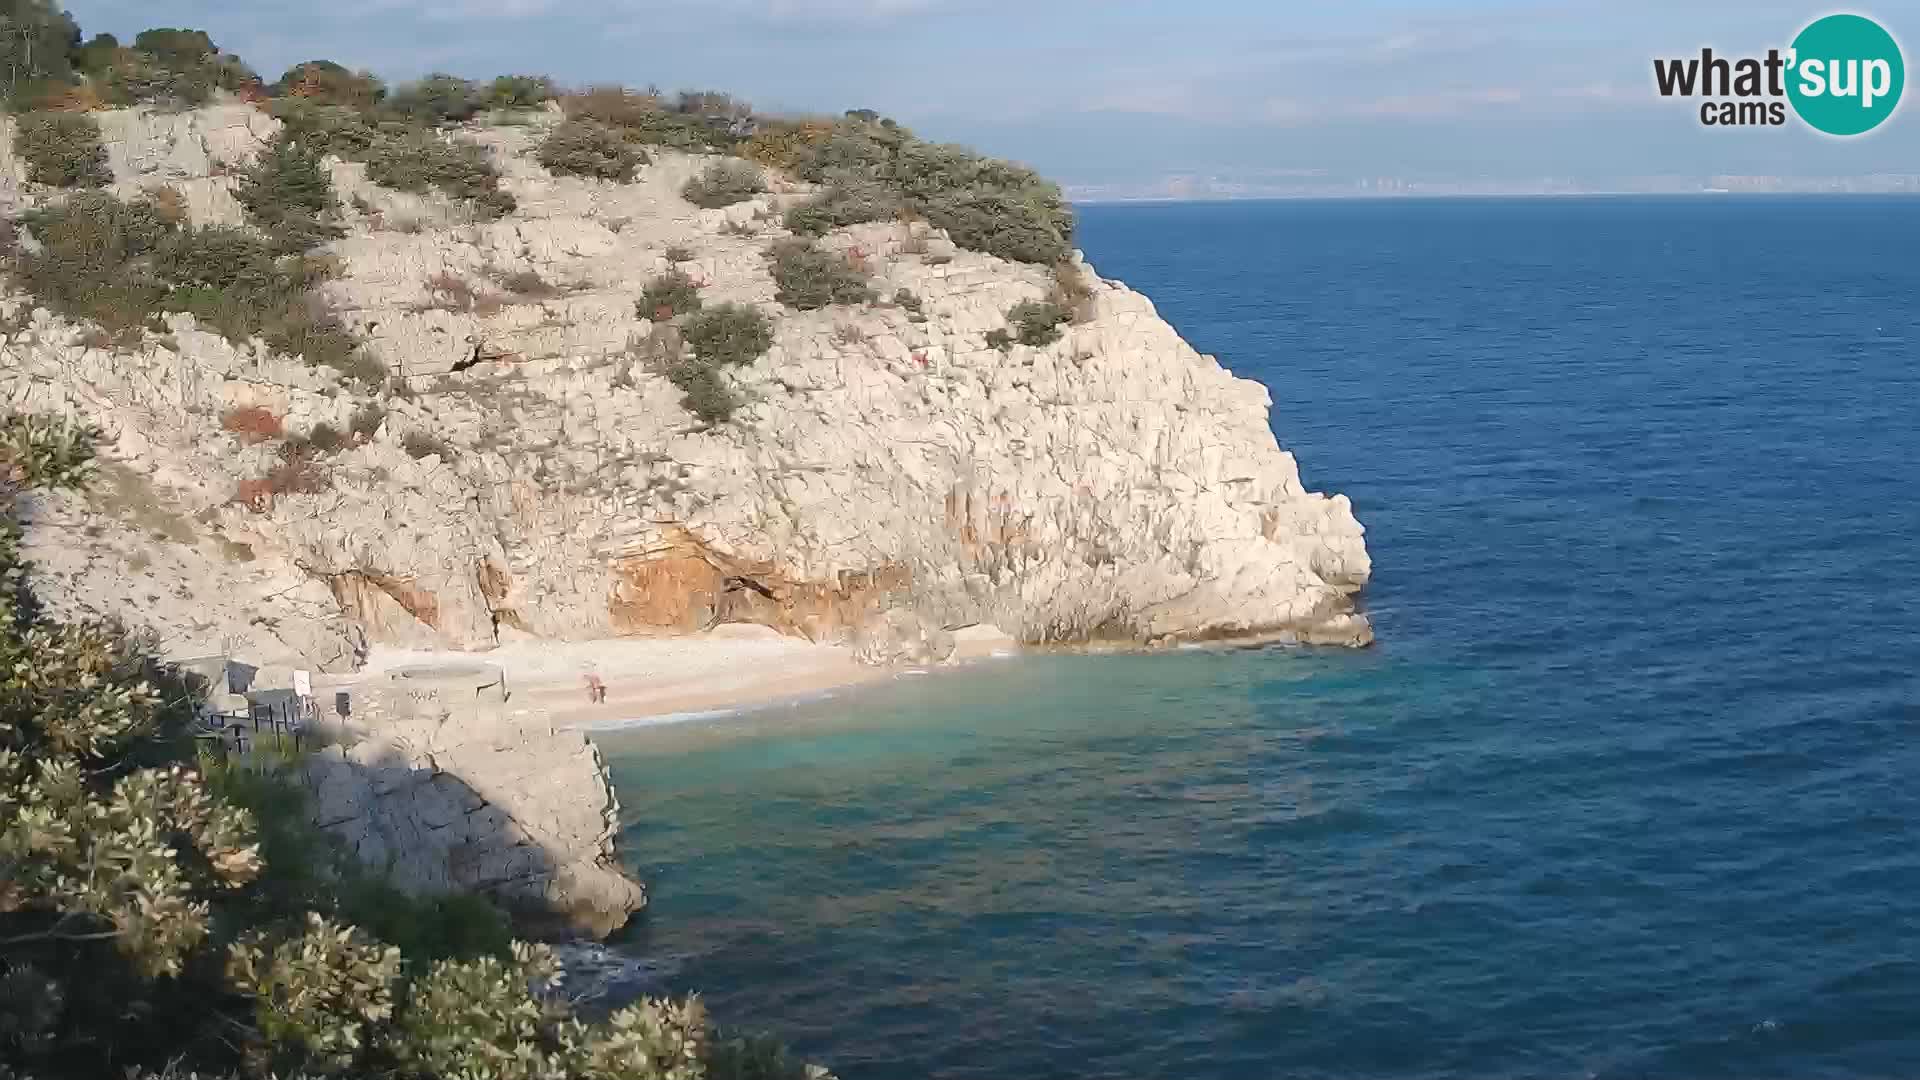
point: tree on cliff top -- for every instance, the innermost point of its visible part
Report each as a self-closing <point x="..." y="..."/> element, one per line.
<point x="37" y="41"/>
<point x="143" y="931"/>
<point x="327" y="83"/>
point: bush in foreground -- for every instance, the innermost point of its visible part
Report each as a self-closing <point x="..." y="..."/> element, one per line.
<point x="167" y="915"/>
<point x="62" y="150"/>
<point x="587" y="148"/>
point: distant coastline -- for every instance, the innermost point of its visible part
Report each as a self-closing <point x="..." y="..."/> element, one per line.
<point x="1078" y="198"/>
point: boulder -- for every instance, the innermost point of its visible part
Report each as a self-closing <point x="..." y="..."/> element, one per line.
<point x="901" y="636"/>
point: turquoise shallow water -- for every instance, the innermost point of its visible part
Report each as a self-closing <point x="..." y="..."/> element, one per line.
<point x="1630" y="788"/>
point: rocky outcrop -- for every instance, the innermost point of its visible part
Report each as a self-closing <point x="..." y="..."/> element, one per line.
<point x="1116" y="485"/>
<point x="436" y="781"/>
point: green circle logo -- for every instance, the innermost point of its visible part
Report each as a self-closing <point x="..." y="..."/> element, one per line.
<point x="1847" y="75"/>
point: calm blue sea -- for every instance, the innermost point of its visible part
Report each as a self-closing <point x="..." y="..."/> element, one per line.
<point x="1629" y="788"/>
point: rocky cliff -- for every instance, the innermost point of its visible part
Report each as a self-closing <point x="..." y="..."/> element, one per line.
<point x="539" y="476"/>
<point x="434" y="779"/>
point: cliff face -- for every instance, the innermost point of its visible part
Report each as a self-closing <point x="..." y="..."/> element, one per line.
<point x="435" y="780"/>
<point x="1115" y="485"/>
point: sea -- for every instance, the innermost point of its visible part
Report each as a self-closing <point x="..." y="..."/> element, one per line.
<point x="1628" y="788"/>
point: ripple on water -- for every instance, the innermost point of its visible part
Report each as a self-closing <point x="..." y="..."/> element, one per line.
<point x="1626" y="791"/>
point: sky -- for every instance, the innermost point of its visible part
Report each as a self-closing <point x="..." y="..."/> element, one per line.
<point x="1138" y="97"/>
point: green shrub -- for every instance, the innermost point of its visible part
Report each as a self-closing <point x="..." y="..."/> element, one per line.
<point x="397" y="156"/>
<point x="729" y="334"/>
<point x="999" y="339"/>
<point x="672" y="293"/>
<point x="525" y="284"/>
<point x="855" y="149"/>
<point x="420" y="444"/>
<point x="62" y="150"/>
<point x="850" y="202"/>
<point x="121" y="264"/>
<point x="140" y="78"/>
<point x="1037" y="323"/>
<point x="94" y="57"/>
<point x="219" y="257"/>
<point x="519" y="92"/>
<point x="289" y="194"/>
<point x="706" y="394"/>
<point x="614" y="106"/>
<point x="984" y="204"/>
<point x="339" y="130"/>
<point x="303" y="326"/>
<point x="94" y="258"/>
<point x="232" y="73"/>
<point x="460" y="170"/>
<point x="679" y="254"/>
<point x="325" y="438"/>
<point x="171" y="45"/>
<point x="910" y="300"/>
<point x="37" y="47"/>
<point x="168" y="67"/>
<point x="587" y="148"/>
<point x="785" y="144"/>
<point x="437" y="99"/>
<point x="713" y="104"/>
<point x="641" y="118"/>
<point x="324" y="82"/>
<point x="425" y="929"/>
<point x="723" y="184"/>
<point x="1016" y="228"/>
<point x="678" y="131"/>
<point x="367" y="419"/>
<point x="809" y="278"/>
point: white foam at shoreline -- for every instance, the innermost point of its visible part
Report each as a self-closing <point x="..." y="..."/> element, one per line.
<point x="661" y="719"/>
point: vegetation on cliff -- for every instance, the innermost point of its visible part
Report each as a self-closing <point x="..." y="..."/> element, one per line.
<point x="810" y="278"/>
<point x="160" y="915"/>
<point x="62" y="150"/>
<point x="122" y="264"/>
<point x="586" y="148"/>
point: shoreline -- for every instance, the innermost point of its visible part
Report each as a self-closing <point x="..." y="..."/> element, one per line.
<point x="728" y="671"/>
<point x="651" y="681"/>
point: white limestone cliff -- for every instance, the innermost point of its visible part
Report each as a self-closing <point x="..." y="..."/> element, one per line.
<point x="433" y="778"/>
<point x="889" y="477"/>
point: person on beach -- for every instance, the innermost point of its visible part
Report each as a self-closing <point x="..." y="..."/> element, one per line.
<point x="596" y="690"/>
